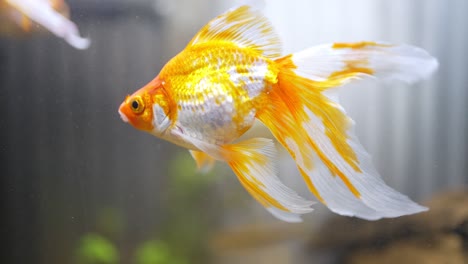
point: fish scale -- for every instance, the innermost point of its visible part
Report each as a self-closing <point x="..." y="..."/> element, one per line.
<point x="216" y="88"/>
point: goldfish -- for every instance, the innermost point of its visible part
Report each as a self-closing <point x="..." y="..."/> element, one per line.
<point x="51" y="14"/>
<point x="232" y="73"/>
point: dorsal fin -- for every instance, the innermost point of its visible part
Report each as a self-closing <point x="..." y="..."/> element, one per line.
<point x="245" y="27"/>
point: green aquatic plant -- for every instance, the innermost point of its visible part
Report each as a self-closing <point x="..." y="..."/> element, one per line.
<point x="190" y="216"/>
<point x="156" y="252"/>
<point x="96" y="249"/>
<point x="188" y="219"/>
<point x="185" y="178"/>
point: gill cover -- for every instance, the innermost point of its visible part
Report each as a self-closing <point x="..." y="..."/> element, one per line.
<point x="161" y="120"/>
<point x="163" y="107"/>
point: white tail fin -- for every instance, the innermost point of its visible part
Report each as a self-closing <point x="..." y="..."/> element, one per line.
<point x="338" y="63"/>
<point x="318" y="133"/>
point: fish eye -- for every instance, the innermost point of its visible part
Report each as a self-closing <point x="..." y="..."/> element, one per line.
<point x="137" y="105"/>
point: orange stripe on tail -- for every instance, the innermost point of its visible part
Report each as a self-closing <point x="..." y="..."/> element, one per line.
<point x="308" y="121"/>
<point x="251" y="162"/>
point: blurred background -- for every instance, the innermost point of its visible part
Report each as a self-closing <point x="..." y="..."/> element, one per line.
<point x="80" y="186"/>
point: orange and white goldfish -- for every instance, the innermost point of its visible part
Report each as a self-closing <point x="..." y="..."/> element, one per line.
<point x="232" y="73"/>
<point x="51" y="14"/>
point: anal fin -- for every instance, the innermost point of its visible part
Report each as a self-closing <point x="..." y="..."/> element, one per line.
<point x="252" y="162"/>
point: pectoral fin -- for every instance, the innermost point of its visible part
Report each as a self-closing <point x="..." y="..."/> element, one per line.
<point x="204" y="162"/>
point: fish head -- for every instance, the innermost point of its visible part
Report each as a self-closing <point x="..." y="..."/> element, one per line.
<point x="148" y="108"/>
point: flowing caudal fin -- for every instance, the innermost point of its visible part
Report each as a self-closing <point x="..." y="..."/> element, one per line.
<point x="251" y="161"/>
<point x="332" y="65"/>
<point x="308" y="121"/>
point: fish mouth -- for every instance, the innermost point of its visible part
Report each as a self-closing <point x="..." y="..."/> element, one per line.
<point x="123" y="116"/>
